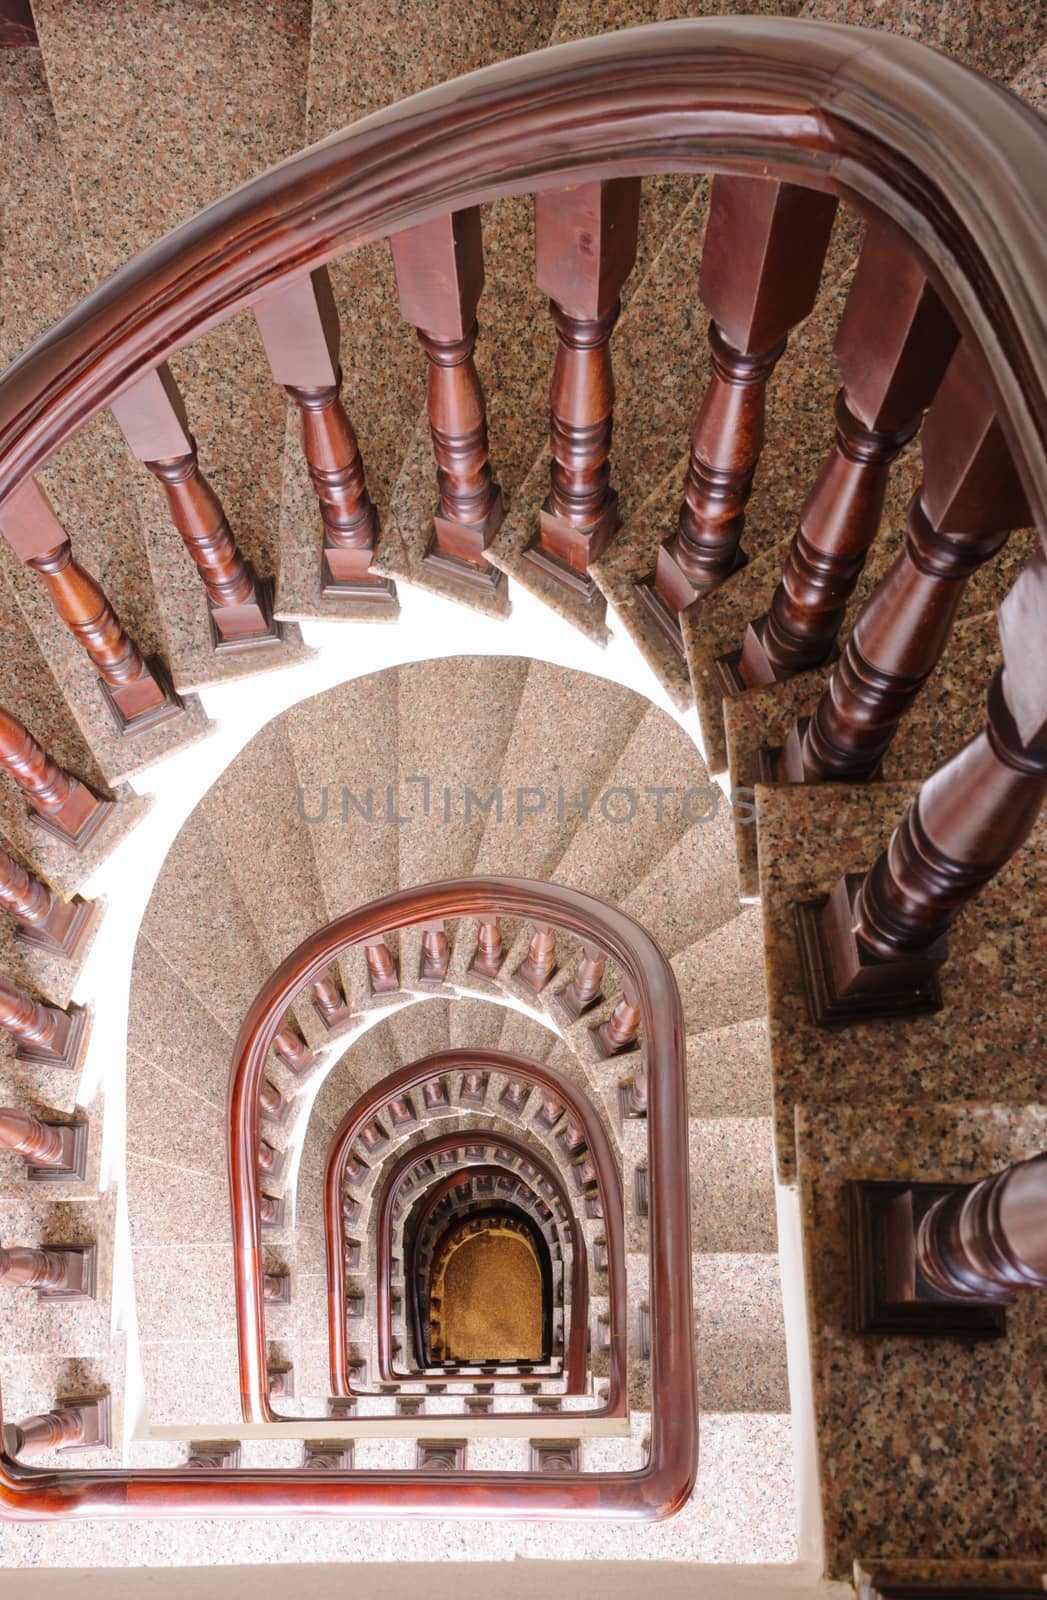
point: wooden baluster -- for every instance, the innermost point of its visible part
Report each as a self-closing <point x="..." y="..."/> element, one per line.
<point x="270" y="1160"/>
<point x="43" y="917"/>
<point x="874" y="947"/>
<point x="281" y="1383"/>
<point x="271" y="1210"/>
<point x="58" y="802"/>
<point x="59" y="1272"/>
<point x="583" y="991"/>
<point x="632" y="1096"/>
<point x="330" y="1002"/>
<point x="272" y="1104"/>
<point x="969" y="501"/>
<point x="136" y="691"/>
<point x="765" y="245"/>
<point x="988" y="1240"/>
<point x="440" y="275"/>
<point x="47" y="1147"/>
<point x="46" y="1035"/>
<point x="301" y="333"/>
<point x="585" y="246"/>
<point x="893" y="344"/>
<point x="213" y="1455"/>
<point x="276" y="1288"/>
<point x="152" y="417"/>
<point x="327" y="1455"/>
<point x="618" y="1033"/>
<point x="81" y="1424"/>
<point x="436" y="954"/>
<point x="946" y="1259"/>
<point x="381" y="968"/>
<point x="292" y="1049"/>
<point x="489" y="953"/>
<point x="540" y="964"/>
<point x="434" y="1093"/>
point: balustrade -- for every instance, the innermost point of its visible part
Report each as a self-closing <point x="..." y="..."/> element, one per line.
<point x="585" y="241"/>
<point x="58" y="802"/>
<point x="765" y="243"/>
<point x="970" y="499"/>
<point x="301" y="333"/>
<point x="136" y="691"/>
<point x="439" y="276"/>
<point x="83" y="1423"/>
<point x="43" y="918"/>
<point x="893" y="344"/>
<point x="44" y="1035"/>
<point x="59" y="1272"/>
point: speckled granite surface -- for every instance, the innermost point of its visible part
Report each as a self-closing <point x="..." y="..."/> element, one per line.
<point x="991" y="1029"/>
<point x="962" y="1479"/>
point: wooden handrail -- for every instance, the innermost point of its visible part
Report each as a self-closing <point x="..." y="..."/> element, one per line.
<point x="577" y="1359"/>
<point x="888" y="125"/>
<point x="411" y="1077"/>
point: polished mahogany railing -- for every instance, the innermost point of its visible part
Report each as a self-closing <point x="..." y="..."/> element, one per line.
<point x="415" y="1076"/>
<point x="901" y="134"/>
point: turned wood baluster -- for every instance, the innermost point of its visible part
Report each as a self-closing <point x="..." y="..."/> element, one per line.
<point x="276" y="1288"/>
<point x="23" y="1268"/>
<point x="619" y="1032"/>
<point x="585" y="246"/>
<point x="381" y="968"/>
<point x="436" y="953"/>
<point x="489" y="953"/>
<point x="26" y="1135"/>
<point x="44" y="1033"/>
<point x="292" y="1049"/>
<point x="765" y="244"/>
<point x="60" y="802"/>
<point x="330" y="1001"/>
<point x="74" y="1424"/>
<point x="152" y="417"/>
<point x="988" y="1240"/>
<point x="302" y="336"/>
<point x="969" y="501"/>
<point x="873" y="949"/>
<point x="540" y="964"/>
<point x="584" y="989"/>
<point x="271" y="1103"/>
<point x="439" y="276"/>
<point x="44" y="918"/>
<point x="893" y="344"/>
<point x="136" y="696"/>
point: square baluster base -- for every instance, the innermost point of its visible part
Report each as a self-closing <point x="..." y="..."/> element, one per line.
<point x="882" y="991"/>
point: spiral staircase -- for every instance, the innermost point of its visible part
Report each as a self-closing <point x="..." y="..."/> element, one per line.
<point x="291" y="1074"/>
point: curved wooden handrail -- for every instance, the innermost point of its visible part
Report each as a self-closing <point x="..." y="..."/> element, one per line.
<point x="402" y="1082"/>
<point x="886" y="123"/>
<point x="652" y="1492"/>
<point x="434" y="1197"/>
<point x="577" y="1358"/>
